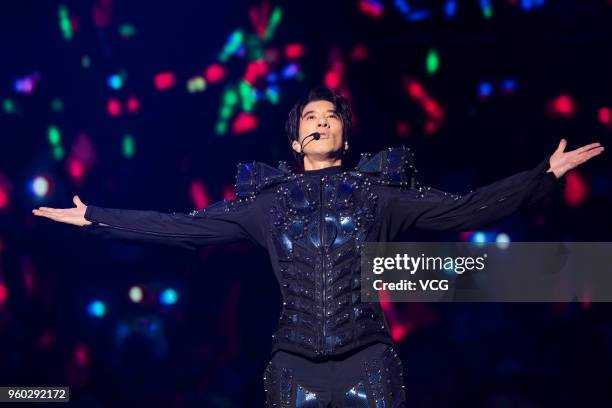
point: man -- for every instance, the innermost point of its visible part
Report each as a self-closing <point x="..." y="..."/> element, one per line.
<point x="330" y="347"/>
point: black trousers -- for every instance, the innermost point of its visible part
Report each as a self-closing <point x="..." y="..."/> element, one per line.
<point x="370" y="378"/>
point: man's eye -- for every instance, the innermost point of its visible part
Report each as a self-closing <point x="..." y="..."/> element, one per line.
<point x="310" y="117"/>
<point x="333" y="115"/>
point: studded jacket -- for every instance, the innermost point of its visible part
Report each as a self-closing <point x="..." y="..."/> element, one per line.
<point x="313" y="226"/>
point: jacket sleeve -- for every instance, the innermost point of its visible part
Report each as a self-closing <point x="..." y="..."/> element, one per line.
<point x="431" y="209"/>
<point x="220" y="223"/>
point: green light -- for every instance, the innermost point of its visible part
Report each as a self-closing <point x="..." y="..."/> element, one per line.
<point x="127" y="30"/>
<point x="65" y="25"/>
<point x="128" y="146"/>
<point x="432" y="62"/>
<point x="226" y="112"/>
<point x="221" y="128"/>
<point x="487" y="12"/>
<point x="230" y="97"/>
<point x="54" y="136"/>
<point x="9" y="106"/>
<point x="247" y="94"/>
<point x="58" y="152"/>
<point x="255" y="47"/>
<point x="57" y="105"/>
<point x="272" y="96"/>
<point x="232" y="45"/>
<point x="275" y="18"/>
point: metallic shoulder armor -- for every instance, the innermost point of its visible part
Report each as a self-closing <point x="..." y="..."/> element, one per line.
<point x="391" y="166"/>
<point x="252" y="177"/>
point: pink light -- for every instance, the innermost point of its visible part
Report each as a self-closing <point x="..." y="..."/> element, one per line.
<point x="371" y="9"/>
<point x="199" y="195"/>
<point x="164" y="80"/>
<point x="416" y="90"/>
<point x="214" y="73"/>
<point x="332" y="80"/>
<point x="3" y="293"/>
<point x="46" y="340"/>
<point x="576" y="191"/>
<point x="360" y="53"/>
<point x="254" y="70"/>
<point x="403" y="129"/>
<point x="229" y="192"/>
<point x="605" y="115"/>
<point x="81" y="355"/>
<point x="4" y="197"/>
<point x="244" y="122"/>
<point x="432" y="108"/>
<point x="564" y="105"/>
<point x="76" y="169"/>
<point x="102" y="12"/>
<point x="133" y="104"/>
<point x="113" y="107"/>
<point x="259" y="18"/>
<point x="295" y="50"/>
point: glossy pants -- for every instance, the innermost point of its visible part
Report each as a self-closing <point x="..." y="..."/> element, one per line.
<point x="370" y="378"/>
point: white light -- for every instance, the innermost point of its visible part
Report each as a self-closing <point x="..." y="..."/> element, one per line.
<point x="40" y="186"/>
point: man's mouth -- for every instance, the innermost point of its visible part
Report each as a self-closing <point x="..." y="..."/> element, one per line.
<point x="323" y="135"/>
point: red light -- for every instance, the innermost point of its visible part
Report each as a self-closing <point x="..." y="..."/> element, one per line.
<point x="564" y="105"/>
<point x="81" y="355"/>
<point x="4" y="198"/>
<point x="332" y="80"/>
<point x="576" y="191"/>
<point x="244" y="122"/>
<point x="133" y="104"/>
<point x="3" y="293"/>
<point x="371" y="9"/>
<point x="359" y="53"/>
<point x="403" y="129"/>
<point x="76" y="168"/>
<point x="254" y="70"/>
<point x="605" y="115"/>
<point x="102" y="12"/>
<point x="113" y="107"/>
<point x="229" y="192"/>
<point x="199" y="195"/>
<point x="294" y="50"/>
<point x="164" y="80"/>
<point x="214" y="73"/>
<point x="416" y="90"/>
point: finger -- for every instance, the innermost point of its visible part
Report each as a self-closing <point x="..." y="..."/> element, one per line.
<point x="562" y="145"/>
<point x="77" y="201"/>
<point x="588" y="155"/>
<point x="587" y="147"/>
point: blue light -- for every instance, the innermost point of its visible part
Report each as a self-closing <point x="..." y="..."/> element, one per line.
<point x="97" y="308"/>
<point x="114" y="81"/>
<point x="290" y="71"/>
<point x="168" y="297"/>
<point x="479" y="237"/>
<point x="509" y="85"/>
<point x="485" y="89"/>
<point x="450" y="8"/>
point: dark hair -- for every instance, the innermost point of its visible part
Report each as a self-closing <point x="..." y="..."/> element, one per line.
<point x="320" y="93"/>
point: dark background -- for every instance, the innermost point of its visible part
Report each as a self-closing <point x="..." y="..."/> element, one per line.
<point x="210" y="348"/>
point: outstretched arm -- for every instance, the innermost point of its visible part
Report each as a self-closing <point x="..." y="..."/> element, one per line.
<point x="219" y="223"/>
<point x="432" y="209"/>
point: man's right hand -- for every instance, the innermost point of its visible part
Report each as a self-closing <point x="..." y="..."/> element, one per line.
<point x="74" y="216"/>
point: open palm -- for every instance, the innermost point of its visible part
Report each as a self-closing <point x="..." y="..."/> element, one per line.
<point x="561" y="162"/>
<point x="74" y="216"/>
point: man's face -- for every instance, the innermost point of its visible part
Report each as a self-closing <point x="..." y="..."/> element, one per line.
<point x="320" y="116"/>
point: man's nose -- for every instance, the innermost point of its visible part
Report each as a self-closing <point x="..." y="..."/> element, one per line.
<point x="323" y="123"/>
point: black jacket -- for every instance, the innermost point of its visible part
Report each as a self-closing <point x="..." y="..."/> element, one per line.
<point x="313" y="226"/>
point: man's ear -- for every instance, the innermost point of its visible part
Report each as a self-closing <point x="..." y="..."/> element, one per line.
<point x="296" y="146"/>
